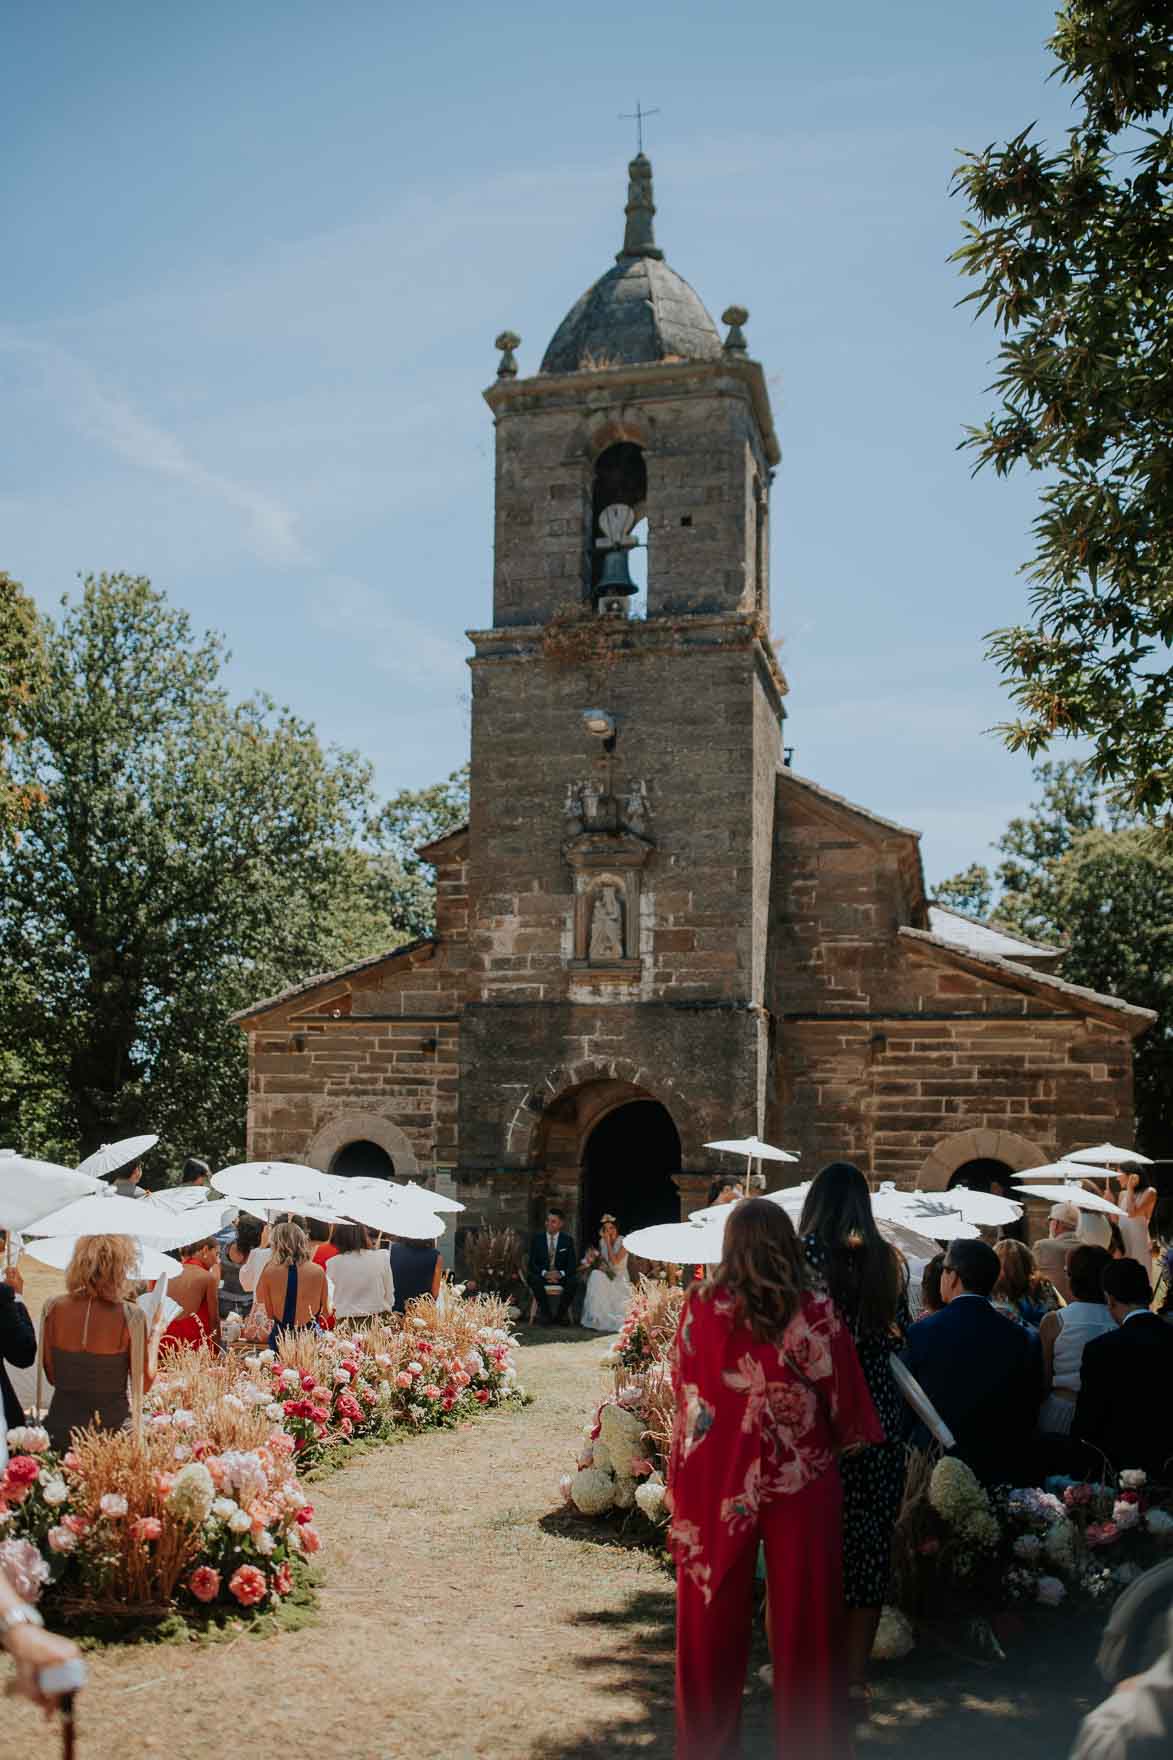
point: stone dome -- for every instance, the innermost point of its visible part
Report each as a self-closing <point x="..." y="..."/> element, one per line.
<point x="641" y="311"/>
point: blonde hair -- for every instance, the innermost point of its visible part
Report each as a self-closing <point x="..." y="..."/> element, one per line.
<point x="101" y="1266"/>
<point x="290" y="1244"/>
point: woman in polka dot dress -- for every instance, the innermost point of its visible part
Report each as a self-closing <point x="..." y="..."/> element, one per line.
<point x="868" y="1282"/>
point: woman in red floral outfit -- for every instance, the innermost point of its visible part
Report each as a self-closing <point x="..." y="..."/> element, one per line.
<point x="769" y="1392"/>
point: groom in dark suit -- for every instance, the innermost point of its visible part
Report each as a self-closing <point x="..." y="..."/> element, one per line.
<point x="552" y="1250"/>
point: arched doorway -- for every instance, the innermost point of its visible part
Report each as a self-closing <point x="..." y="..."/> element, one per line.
<point x="628" y="1164"/>
<point x="982" y="1172"/>
<point x="363" y="1158"/>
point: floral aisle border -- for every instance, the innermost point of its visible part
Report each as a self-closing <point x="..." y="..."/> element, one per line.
<point x="207" y="1510"/>
<point x="960" y="1553"/>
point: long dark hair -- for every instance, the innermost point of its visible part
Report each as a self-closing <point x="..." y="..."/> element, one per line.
<point x="864" y="1274"/>
<point x="761" y="1267"/>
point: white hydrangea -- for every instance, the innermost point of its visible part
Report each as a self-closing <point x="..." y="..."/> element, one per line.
<point x="601" y="1457"/>
<point x="240" y="1521"/>
<point x="224" y="1508"/>
<point x="592" y="1492"/>
<point x="625" y="1493"/>
<point x="1059" y="1545"/>
<point x="190" y="1497"/>
<point x="649" y="1499"/>
<point x="275" y="1413"/>
<point x="54" y="1492"/>
<point x="954" y="1490"/>
<point x="623" y="1434"/>
<point x="894" y="1638"/>
<point x="265" y="1543"/>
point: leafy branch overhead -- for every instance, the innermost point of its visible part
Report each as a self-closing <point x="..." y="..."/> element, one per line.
<point x="1072" y="252"/>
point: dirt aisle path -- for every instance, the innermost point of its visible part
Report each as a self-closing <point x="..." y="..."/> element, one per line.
<point x="453" y="1624"/>
<point x="464" y="1616"/>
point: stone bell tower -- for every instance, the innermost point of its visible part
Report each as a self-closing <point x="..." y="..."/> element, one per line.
<point x="623" y="767"/>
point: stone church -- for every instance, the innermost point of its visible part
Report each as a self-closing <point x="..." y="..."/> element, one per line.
<point x="652" y="932"/>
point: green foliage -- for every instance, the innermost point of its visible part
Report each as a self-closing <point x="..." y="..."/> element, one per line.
<point x="969" y="892"/>
<point x="189" y="855"/>
<point x="1076" y="874"/>
<point x="1072" y="251"/>
<point x="401" y="884"/>
<point x="22" y="658"/>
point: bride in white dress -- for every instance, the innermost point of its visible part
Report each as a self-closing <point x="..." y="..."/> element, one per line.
<point x="608" y="1290"/>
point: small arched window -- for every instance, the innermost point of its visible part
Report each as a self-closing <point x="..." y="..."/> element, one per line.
<point x="620" y="477"/>
<point x="366" y="1159"/>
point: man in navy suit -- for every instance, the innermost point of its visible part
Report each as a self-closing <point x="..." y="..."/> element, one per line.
<point x="981" y="1371"/>
<point x="553" y="1259"/>
<point x="1125" y="1378"/>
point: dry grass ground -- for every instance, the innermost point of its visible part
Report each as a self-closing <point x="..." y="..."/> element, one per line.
<point x="463" y="1615"/>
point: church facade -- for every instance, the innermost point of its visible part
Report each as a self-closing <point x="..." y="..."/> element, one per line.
<point x="652" y="933"/>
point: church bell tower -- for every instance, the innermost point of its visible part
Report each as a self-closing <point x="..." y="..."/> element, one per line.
<point x="623" y="757"/>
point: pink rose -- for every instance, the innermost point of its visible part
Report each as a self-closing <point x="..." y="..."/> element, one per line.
<point x="483" y="1396"/>
<point x="76" y="1525"/>
<point x="403" y="1379"/>
<point x="282" y="1580"/>
<point x="431" y="1392"/>
<point x="204" y="1583"/>
<point x="146" y="1528"/>
<point x="61" y="1539"/>
<point x="22" y="1470"/>
<point x="248" y="1585"/>
<point x="311" y="1540"/>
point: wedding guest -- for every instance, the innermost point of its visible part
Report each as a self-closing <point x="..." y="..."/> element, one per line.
<point x="236" y="1245"/>
<point x="866" y="1279"/>
<point x="768" y="1392"/>
<point x="96" y="1350"/>
<point x="195" y="1172"/>
<point x="31" y="1647"/>
<point x="127" y="1183"/>
<point x="1022" y="1291"/>
<point x="552" y="1257"/>
<point x="18" y="1339"/>
<point x="725" y="1189"/>
<point x="196" y="1287"/>
<point x="608" y="1285"/>
<point x="1009" y="1231"/>
<point x="1123" y="1412"/>
<point x="930" y="1286"/>
<point x="981" y="1371"/>
<point x="258" y="1256"/>
<point x="1065" y="1334"/>
<point x="361" y="1274"/>
<point x="1138" y="1199"/>
<point x="416" y="1269"/>
<point x="291" y="1287"/>
<point x="1052" y="1254"/>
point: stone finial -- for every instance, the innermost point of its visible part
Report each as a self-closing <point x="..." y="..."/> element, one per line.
<point x="735" y="317"/>
<point x="507" y="342"/>
<point x="639" y="238"/>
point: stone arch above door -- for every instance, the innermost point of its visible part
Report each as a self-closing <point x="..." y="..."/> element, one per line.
<point x="351" y="1127"/>
<point x="523" y="1135"/>
<point x="952" y="1152"/>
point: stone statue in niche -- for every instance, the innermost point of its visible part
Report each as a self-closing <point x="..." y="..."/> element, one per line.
<point x="606" y="940"/>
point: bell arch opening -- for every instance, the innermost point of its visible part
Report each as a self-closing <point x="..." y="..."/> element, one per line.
<point x="629" y="1165"/>
<point x="362" y="1158"/>
<point x="620" y="480"/>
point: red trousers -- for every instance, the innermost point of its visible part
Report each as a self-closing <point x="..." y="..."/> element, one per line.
<point x="802" y="1535"/>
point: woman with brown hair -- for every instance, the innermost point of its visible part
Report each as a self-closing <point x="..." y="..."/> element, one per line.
<point x="769" y="1392"/>
<point x="95" y="1346"/>
<point x="291" y="1286"/>
<point x="1022" y="1292"/>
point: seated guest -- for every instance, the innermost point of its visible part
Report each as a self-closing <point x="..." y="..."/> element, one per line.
<point x="195" y="1172"/>
<point x="196" y="1288"/>
<point x="236" y="1245"/>
<point x="725" y="1190"/>
<point x="360" y="1273"/>
<point x="981" y="1371"/>
<point x="553" y="1260"/>
<point x="1123" y="1411"/>
<point x="1021" y="1292"/>
<point x="1052" y="1254"/>
<point x="930" y="1286"/>
<point x="416" y="1270"/>
<point x="291" y="1287"/>
<point x="95" y="1348"/>
<point x="18" y="1340"/>
<point x="1065" y="1334"/>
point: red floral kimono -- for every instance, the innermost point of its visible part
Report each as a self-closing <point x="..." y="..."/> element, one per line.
<point x="758" y="1427"/>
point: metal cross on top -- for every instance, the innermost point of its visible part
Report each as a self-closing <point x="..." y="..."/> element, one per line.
<point x="639" y="116"/>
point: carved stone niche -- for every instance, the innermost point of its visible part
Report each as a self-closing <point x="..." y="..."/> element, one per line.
<point x="608" y="873"/>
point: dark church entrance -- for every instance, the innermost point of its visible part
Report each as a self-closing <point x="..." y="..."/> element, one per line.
<point x="981" y="1175"/>
<point x="628" y="1167"/>
<point x="366" y="1159"/>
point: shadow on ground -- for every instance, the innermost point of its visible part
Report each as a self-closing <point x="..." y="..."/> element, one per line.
<point x="934" y="1706"/>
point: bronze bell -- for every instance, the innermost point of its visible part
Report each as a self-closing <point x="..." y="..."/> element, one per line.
<point x="616" y="576"/>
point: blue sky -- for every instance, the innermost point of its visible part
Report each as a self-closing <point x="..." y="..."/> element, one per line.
<point x="257" y="256"/>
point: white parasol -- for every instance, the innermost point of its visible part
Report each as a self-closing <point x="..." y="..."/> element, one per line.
<point x="923" y="1212"/>
<point x="680" y="1243"/>
<point x="104" y="1212"/>
<point x="983" y="1209"/>
<point x="57" y="1251"/>
<point x="434" y="1200"/>
<point x="30" y="1189"/>
<point x="410" y="1220"/>
<point x="1108" y="1155"/>
<point x="1068" y="1171"/>
<point x="177" y="1198"/>
<point x="1077" y="1195"/>
<point x="113" y="1157"/>
<point x="274" y="1179"/>
<point x="752" y="1148"/>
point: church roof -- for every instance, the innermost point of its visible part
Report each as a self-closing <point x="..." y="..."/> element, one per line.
<point x="1032" y="982"/>
<point x="321" y="979"/>
<point x="980" y="937"/>
<point x="639" y="312"/>
<point x="839" y="804"/>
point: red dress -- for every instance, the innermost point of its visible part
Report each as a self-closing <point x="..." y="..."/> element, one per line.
<point x="323" y="1253"/>
<point x="758" y="1426"/>
<point x="194" y="1329"/>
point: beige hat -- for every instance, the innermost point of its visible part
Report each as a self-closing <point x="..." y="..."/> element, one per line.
<point x="1065" y="1212"/>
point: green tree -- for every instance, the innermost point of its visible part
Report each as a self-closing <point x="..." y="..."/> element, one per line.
<point x="1073" y="252"/>
<point x="189" y="855"/>
<point x="1077" y="874"/>
<point x="22" y="658"/>
<point x="401" y="884"/>
<point x="969" y="892"/>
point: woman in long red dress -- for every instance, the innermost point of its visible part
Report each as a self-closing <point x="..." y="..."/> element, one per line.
<point x="769" y="1391"/>
<point x="197" y="1290"/>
